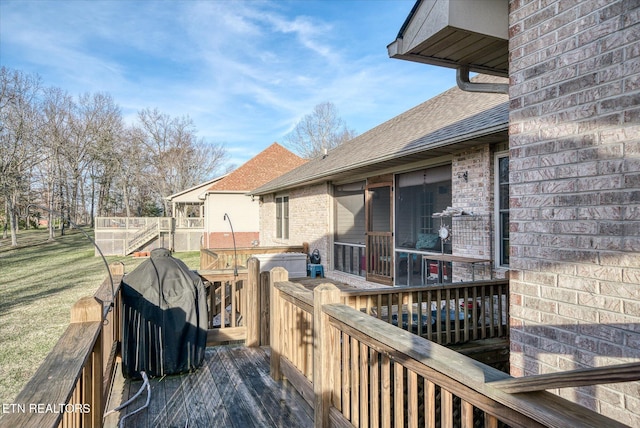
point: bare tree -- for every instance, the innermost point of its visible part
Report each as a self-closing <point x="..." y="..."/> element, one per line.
<point x="132" y="188"/>
<point x="104" y="129"/>
<point x="58" y="109"/>
<point x="78" y="159"/>
<point x="179" y="159"/>
<point x="318" y="131"/>
<point x="19" y="124"/>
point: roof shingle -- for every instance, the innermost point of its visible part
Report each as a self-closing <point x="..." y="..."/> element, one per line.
<point x="272" y="162"/>
<point x="452" y="116"/>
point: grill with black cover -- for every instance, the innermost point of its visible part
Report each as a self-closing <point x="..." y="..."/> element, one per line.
<point x="164" y="327"/>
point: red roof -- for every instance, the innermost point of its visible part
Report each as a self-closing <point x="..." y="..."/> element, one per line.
<point x="272" y="162"/>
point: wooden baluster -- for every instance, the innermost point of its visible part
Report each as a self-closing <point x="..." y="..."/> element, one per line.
<point x="456" y="314"/>
<point x="466" y="414"/>
<point x="386" y="391"/>
<point x="346" y="376"/>
<point x="355" y="382"/>
<point x="252" y="310"/>
<point x="374" y="390"/>
<point x="492" y="314"/>
<point x="446" y="408"/>
<point x="420" y="313"/>
<point x="429" y="403"/>
<point x="412" y="399"/>
<point x="364" y="385"/>
<point x="429" y="315"/>
<point x="336" y="372"/>
<point x="223" y="304"/>
<point x="398" y="395"/>
<point x="275" y="324"/>
<point x="468" y="311"/>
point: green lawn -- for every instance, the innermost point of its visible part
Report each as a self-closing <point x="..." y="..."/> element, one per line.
<point x="39" y="283"/>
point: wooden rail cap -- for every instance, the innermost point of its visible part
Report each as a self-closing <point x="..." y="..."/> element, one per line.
<point x="581" y="377"/>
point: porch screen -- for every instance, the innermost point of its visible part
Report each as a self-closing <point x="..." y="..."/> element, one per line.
<point x="420" y="194"/>
<point x="349" y="213"/>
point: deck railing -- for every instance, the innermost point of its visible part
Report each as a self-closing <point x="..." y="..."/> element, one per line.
<point x="189" y="223"/>
<point x="380" y="256"/>
<point x="446" y="314"/>
<point x="349" y="258"/>
<point x="134" y="223"/>
<point x="235" y="304"/>
<point x="70" y="387"/>
<point x="225" y="258"/>
<point x="358" y="370"/>
<point x="353" y="367"/>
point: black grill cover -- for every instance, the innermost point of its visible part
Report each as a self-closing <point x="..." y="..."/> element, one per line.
<point x="164" y="318"/>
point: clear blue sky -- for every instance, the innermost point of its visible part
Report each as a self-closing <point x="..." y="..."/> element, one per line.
<point x="245" y="71"/>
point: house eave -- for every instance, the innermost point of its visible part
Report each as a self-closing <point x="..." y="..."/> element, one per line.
<point x="454" y="33"/>
<point x="490" y="135"/>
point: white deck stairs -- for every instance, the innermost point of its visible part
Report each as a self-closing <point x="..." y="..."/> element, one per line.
<point x="143" y="237"/>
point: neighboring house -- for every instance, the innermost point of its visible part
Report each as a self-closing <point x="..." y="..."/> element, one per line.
<point x="189" y="216"/>
<point x="189" y="204"/>
<point x="370" y="206"/>
<point x="574" y="173"/>
<point x="182" y="232"/>
<point x="229" y="196"/>
<point x="199" y="212"/>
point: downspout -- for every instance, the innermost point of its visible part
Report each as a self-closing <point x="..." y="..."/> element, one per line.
<point x="462" y="79"/>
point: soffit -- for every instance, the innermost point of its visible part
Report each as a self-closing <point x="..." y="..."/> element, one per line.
<point x="451" y="33"/>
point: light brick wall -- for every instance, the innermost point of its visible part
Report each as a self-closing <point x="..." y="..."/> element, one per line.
<point x="575" y="193"/>
<point x="475" y="195"/>
<point x="309" y="221"/>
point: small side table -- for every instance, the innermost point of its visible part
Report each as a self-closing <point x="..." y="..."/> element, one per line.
<point x="314" y="270"/>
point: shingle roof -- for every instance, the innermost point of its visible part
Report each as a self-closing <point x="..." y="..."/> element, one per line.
<point x="272" y="162"/>
<point x="451" y="117"/>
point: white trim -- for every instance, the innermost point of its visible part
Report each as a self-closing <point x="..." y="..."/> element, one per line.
<point x="496" y="210"/>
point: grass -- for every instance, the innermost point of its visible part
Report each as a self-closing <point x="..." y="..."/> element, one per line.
<point x="39" y="283"/>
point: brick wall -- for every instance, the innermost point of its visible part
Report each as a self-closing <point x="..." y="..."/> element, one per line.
<point x="309" y="211"/>
<point x="575" y="190"/>
<point x="226" y="239"/>
<point x="475" y="195"/>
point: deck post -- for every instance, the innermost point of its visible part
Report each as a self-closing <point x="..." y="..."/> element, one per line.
<point x="253" y="303"/>
<point x="278" y="274"/>
<point x="116" y="268"/>
<point x="323" y="358"/>
<point x="89" y="309"/>
<point x="264" y="308"/>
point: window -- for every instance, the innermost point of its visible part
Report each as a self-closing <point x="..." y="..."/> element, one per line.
<point x="282" y="217"/>
<point x="502" y="208"/>
<point x="349" y="221"/>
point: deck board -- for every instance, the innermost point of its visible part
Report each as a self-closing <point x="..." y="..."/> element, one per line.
<point x="231" y="389"/>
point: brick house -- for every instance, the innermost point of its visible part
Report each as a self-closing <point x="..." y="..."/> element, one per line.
<point x="371" y="205"/>
<point x="199" y="212"/>
<point x="228" y="195"/>
<point x="574" y="173"/>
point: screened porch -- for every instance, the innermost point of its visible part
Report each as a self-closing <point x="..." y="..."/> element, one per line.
<point x="400" y="230"/>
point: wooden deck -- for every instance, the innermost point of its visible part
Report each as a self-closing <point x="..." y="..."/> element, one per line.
<point x="231" y="389"/>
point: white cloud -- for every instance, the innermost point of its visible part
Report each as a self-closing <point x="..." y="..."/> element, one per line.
<point x="245" y="72"/>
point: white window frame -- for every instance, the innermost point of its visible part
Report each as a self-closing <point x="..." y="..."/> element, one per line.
<point x="498" y="238"/>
